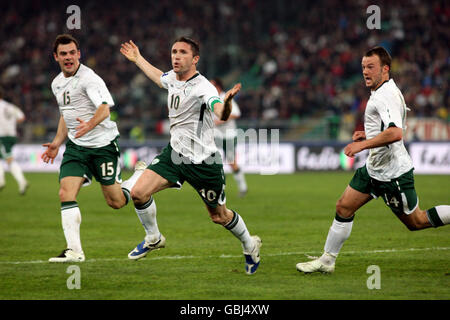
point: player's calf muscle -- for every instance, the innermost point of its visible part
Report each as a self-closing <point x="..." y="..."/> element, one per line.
<point x="416" y="221"/>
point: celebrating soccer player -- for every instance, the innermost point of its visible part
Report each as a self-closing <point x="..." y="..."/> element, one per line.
<point x="91" y="150"/>
<point x="191" y="155"/>
<point x="388" y="172"/>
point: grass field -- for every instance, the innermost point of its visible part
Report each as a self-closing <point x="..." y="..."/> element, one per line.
<point x="291" y="213"/>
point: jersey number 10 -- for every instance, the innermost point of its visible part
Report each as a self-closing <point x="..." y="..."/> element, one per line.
<point x="174" y="102"/>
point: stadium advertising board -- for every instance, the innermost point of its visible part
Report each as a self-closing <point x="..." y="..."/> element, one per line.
<point x="430" y="158"/>
<point x="282" y="158"/>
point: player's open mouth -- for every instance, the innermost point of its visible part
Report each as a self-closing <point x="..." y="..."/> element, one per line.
<point x="68" y="64"/>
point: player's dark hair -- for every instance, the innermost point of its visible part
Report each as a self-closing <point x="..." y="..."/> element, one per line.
<point x="195" y="46"/>
<point x="381" y="52"/>
<point x="64" y="39"/>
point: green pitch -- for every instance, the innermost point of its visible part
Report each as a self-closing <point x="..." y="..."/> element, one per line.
<point x="291" y="213"/>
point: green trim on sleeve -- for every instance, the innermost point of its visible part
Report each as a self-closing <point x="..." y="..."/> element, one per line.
<point x="391" y="124"/>
<point x="213" y="103"/>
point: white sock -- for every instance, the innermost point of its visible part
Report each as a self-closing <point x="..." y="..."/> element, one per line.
<point x="17" y="173"/>
<point x="239" y="229"/>
<point x="127" y="185"/>
<point x="338" y="233"/>
<point x="439" y="215"/>
<point x="2" y="175"/>
<point x="147" y="215"/>
<point x="240" y="180"/>
<point x="71" y="221"/>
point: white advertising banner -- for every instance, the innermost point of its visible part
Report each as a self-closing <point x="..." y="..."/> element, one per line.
<point x="430" y="157"/>
<point x="28" y="156"/>
<point x="265" y="158"/>
<point x="262" y="158"/>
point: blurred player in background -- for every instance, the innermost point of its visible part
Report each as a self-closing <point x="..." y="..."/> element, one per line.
<point x="191" y="155"/>
<point x="226" y="138"/>
<point x="388" y="172"/>
<point x="10" y="116"/>
<point x="91" y="150"/>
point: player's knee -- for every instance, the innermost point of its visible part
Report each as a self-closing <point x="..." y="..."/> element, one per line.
<point x="342" y="210"/>
<point x="137" y="195"/>
<point x="115" y="204"/>
<point x="220" y="214"/>
<point x="64" y="195"/>
<point x="218" y="219"/>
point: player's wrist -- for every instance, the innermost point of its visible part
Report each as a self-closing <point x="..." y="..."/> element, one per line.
<point x="138" y="59"/>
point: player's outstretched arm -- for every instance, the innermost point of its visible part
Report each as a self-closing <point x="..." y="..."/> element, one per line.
<point x="53" y="147"/>
<point x="131" y="52"/>
<point x="223" y="111"/>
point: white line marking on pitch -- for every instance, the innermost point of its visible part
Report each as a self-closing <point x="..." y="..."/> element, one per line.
<point x="223" y="256"/>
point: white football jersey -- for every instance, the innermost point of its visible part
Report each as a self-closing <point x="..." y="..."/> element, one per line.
<point x="386" y="107"/>
<point x="9" y="114"/>
<point x="190" y="105"/>
<point x="227" y="130"/>
<point x="79" y="96"/>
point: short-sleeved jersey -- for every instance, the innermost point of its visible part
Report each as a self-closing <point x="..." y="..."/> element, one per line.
<point x="9" y="114"/>
<point x="191" y="105"/>
<point x="227" y="129"/>
<point x="386" y="108"/>
<point x="79" y="96"/>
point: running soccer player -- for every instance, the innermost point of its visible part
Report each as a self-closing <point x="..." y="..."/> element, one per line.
<point x="10" y="116"/>
<point x="191" y="154"/>
<point x="225" y="135"/>
<point x="388" y="172"/>
<point x="91" y="150"/>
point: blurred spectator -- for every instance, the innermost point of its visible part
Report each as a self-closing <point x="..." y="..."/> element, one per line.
<point x="294" y="58"/>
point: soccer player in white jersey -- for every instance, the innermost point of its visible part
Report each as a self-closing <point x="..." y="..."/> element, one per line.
<point x="225" y="135"/>
<point x="10" y="115"/>
<point x="191" y="155"/>
<point x="388" y="172"/>
<point x="91" y="150"/>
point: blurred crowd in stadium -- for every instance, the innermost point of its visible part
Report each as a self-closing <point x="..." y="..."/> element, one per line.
<point x="296" y="59"/>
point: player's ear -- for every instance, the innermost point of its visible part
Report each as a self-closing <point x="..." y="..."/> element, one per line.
<point x="196" y="59"/>
<point x="55" y="56"/>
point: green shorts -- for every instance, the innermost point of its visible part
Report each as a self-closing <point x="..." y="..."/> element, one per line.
<point x="207" y="177"/>
<point x="229" y="148"/>
<point x="399" y="194"/>
<point x="102" y="163"/>
<point x="6" y="145"/>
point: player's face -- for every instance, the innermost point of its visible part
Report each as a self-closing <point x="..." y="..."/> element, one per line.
<point x="374" y="74"/>
<point x="183" y="59"/>
<point x="68" y="57"/>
